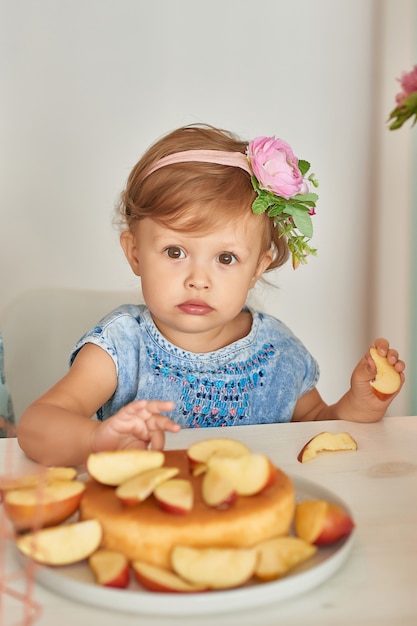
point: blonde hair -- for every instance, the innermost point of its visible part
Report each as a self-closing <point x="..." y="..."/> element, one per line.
<point x="195" y="196"/>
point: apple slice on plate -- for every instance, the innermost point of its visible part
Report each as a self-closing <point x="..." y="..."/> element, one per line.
<point x="387" y="380"/>
<point x="217" y="489"/>
<point x="321" y="522"/>
<point x="50" y="474"/>
<point x="141" y="486"/>
<point x="116" y="466"/>
<point x="175" y="495"/>
<point x="200" y="451"/>
<point x="110" y="568"/>
<point x="161" y="580"/>
<point x="326" y="442"/>
<point x="277" y="556"/>
<point x="62" y="545"/>
<point x="217" y="568"/>
<point x="44" y="505"/>
<point x="249" y="474"/>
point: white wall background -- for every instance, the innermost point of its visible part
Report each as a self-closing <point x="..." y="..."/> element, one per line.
<point x="89" y="84"/>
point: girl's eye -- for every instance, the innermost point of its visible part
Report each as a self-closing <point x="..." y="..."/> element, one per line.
<point x="226" y="258"/>
<point x="174" y="252"/>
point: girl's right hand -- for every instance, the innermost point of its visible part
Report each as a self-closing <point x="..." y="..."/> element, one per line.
<point x="137" y="425"/>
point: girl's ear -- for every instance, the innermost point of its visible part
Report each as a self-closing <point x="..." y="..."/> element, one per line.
<point x="128" y="243"/>
<point x="264" y="262"/>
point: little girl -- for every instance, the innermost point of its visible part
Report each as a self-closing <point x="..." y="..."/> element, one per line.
<point x="204" y="216"/>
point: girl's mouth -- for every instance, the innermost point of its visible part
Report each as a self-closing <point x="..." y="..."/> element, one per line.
<point x="195" y="307"/>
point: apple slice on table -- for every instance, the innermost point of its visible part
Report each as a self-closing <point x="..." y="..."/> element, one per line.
<point x="117" y="466"/>
<point x="43" y="505"/>
<point x="218" y="568"/>
<point x="277" y="556"/>
<point x="141" y="486"/>
<point x="387" y="380"/>
<point x="200" y="451"/>
<point x="62" y="545"/>
<point x="47" y="475"/>
<point x="321" y="522"/>
<point x="175" y="495"/>
<point x="110" y="568"/>
<point x="326" y="442"/>
<point x="162" y="580"/>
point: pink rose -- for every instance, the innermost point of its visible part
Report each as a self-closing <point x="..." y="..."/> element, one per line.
<point x="408" y="83"/>
<point x="275" y="166"/>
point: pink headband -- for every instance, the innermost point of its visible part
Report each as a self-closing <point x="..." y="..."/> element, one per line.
<point x="235" y="159"/>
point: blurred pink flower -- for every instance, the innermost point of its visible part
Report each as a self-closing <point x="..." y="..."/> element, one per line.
<point x="408" y="82"/>
<point x="406" y="101"/>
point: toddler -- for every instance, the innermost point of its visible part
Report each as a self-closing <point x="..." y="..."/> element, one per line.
<point x="204" y="215"/>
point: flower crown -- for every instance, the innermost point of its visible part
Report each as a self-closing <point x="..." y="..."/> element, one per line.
<point x="281" y="184"/>
<point x="406" y="100"/>
<point x="283" y="192"/>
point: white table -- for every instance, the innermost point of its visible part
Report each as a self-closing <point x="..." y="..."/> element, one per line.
<point x="377" y="584"/>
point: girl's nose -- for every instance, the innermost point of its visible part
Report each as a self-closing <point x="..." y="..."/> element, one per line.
<point x="198" y="279"/>
<point x="198" y="283"/>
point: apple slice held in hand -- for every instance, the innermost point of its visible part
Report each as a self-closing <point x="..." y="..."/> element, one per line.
<point x="175" y="495"/>
<point x="387" y="380"/>
<point x="162" y="580"/>
<point x="321" y="522"/>
<point x="62" y="545"/>
<point x="217" y="568"/>
<point x="44" y="505"/>
<point x="277" y="556"/>
<point x="141" y="486"/>
<point x="110" y="568"/>
<point x="117" y="466"/>
<point x="326" y="442"/>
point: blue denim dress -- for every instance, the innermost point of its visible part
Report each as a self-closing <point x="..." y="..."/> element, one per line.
<point x="255" y="380"/>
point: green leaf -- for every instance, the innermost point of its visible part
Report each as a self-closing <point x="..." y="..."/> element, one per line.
<point x="287" y="209"/>
<point x="303" y="223"/>
<point x="268" y="195"/>
<point x="276" y="209"/>
<point x="303" y="207"/>
<point x="313" y="180"/>
<point x="255" y="184"/>
<point x="260" y="205"/>
<point x="306" y="197"/>
<point x="303" y="166"/>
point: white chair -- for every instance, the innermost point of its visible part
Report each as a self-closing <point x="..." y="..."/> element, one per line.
<point x="39" y="329"/>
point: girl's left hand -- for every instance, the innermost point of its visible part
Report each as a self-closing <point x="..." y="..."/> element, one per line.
<point x="365" y="372"/>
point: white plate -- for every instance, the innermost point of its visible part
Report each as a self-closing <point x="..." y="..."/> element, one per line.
<point x="76" y="581"/>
